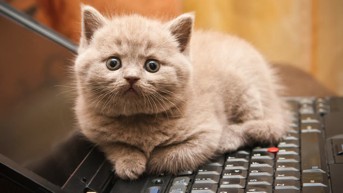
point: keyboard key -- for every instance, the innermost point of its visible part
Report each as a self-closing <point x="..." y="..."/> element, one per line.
<point x="239" y="156"/>
<point x="204" y="188"/>
<point x="261" y="172"/>
<point x="244" y="152"/>
<point x="206" y="179"/>
<point x="259" y="150"/>
<point x="219" y="161"/>
<point x="287" y="184"/>
<point x="260" y="180"/>
<point x="294" y="126"/>
<point x="231" y="159"/>
<point x="311" y="152"/>
<point x="207" y="169"/>
<point x="311" y="128"/>
<point x="203" y="191"/>
<point x="306" y="106"/>
<point x="314" y="179"/>
<point x="153" y="189"/>
<point x="318" y="189"/>
<point x="157" y="181"/>
<point x="185" y="173"/>
<point x="291" y="135"/>
<point x="234" y="174"/>
<point x="308" y="101"/>
<point x="287" y="191"/>
<point x="232" y="183"/>
<point x="284" y="166"/>
<point x="312" y="118"/>
<point x="178" y="189"/>
<point x="322" y="106"/>
<point x="289" y="149"/>
<point x="236" y="165"/>
<point x="287" y="175"/>
<point x="259" y="189"/>
<point x="286" y="144"/>
<point x="230" y="190"/>
<point x="287" y="158"/>
<point x="261" y="163"/>
<point x="181" y="181"/>
<point x="306" y="109"/>
<point x="322" y="110"/>
<point x="262" y="155"/>
<point x="287" y="152"/>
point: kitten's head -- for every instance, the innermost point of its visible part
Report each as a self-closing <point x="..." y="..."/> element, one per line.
<point x="131" y="65"/>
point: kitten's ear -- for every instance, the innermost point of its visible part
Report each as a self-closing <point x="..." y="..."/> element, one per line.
<point x="181" y="28"/>
<point x="91" y="20"/>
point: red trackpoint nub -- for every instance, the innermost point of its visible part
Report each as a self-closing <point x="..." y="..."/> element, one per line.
<point x="273" y="149"/>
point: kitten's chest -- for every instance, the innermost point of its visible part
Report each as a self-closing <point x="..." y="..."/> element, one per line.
<point x="144" y="136"/>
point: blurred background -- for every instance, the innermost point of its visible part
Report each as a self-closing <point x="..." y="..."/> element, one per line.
<point x="302" y="39"/>
<point x="305" y="34"/>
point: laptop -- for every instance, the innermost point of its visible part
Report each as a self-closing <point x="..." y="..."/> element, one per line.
<point x="41" y="150"/>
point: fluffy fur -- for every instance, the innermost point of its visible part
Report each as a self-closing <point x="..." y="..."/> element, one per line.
<point x="212" y="94"/>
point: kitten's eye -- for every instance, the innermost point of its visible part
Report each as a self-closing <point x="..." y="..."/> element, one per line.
<point x="113" y="63"/>
<point x="152" y="66"/>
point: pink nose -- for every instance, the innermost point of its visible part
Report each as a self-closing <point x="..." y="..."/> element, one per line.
<point x="132" y="80"/>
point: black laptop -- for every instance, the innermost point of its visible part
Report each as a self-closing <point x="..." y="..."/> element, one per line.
<point x="41" y="151"/>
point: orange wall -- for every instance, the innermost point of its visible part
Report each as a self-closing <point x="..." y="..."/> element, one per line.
<point x="307" y="34"/>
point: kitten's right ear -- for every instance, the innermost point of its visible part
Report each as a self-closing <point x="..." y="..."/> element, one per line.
<point x="91" y="20"/>
<point x="181" y="28"/>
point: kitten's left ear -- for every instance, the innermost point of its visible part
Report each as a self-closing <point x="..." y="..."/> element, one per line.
<point x="181" y="28"/>
<point x="91" y="21"/>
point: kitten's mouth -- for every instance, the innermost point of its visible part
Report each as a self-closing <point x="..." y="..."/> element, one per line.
<point x="131" y="91"/>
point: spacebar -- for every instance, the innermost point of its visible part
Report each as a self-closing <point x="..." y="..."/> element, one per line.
<point x="311" y="152"/>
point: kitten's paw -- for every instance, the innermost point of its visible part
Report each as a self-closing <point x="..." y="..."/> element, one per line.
<point x="229" y="145"/>
<point x="230" y="140"/>
<point x="129" y="168"/>
<point x="169" y="163"/>
<point x="265" y="132"/>
<point x="177" y="158"/>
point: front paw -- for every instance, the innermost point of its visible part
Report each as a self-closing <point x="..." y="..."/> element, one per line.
<point x="164" y="163"/>
<point x="130" y="168"/>
<point x="230" y="145"/>
<point x="264" y="132"/>
<point x="174" y="160"/>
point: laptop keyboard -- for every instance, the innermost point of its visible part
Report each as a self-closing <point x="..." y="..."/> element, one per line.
<point x="296" y="165"/>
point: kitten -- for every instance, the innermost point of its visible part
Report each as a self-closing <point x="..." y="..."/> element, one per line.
<point x="160" y="97"/>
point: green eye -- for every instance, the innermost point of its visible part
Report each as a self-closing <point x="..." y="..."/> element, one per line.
<point x="152" y="66"/>
<point x="113" y="63"/>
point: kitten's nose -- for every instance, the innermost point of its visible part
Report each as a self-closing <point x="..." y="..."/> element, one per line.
<point x="131" y="79"/>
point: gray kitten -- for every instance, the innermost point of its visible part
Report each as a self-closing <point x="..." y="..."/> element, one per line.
<point x="160" y="97"/>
